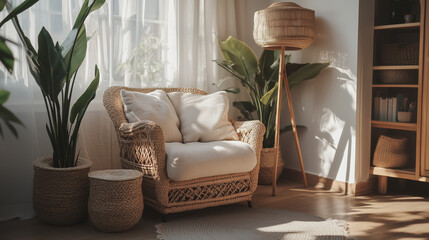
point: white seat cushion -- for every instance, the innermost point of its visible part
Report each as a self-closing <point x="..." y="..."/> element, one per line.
<point x="203" y="117"/>
<point x="204" y="159"/>
<point x="154" y="106"/>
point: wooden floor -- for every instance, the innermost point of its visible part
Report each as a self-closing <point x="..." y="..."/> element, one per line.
<point x="393" y="216"/>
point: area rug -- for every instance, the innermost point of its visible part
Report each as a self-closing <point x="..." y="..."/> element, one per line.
<point x="251" y="223"/>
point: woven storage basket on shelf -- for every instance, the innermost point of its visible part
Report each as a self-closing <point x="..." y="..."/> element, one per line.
<point x="400" y="54"/>
<point x="266" y="169"/>
<point x="398" y="76"/>
<point x="60" y="195"/>
<point x="115" y="199"/>
<point x="391" y="152"/>
<point x="284" y="24"/>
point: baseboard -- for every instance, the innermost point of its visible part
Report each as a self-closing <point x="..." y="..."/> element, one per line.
<point x="354" y="189"/>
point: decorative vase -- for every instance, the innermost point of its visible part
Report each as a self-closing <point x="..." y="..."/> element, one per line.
<point x="266" y="170"/>
<point x="60" y="195"/>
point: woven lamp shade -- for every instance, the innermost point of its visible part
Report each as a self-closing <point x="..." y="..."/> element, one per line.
<point x="284" y="24"/>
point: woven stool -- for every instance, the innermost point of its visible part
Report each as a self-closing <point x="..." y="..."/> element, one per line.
<point x="115" y="199"/>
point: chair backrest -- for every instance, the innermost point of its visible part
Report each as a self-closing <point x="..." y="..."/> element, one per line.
<point x="115" y="108"/>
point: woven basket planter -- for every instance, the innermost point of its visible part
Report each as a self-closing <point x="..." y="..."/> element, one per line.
<point x="391" y="152"/>
<point x="115" y="199"/>
<point x="266" y="170"/>
<point x="60" y="195"/>
<point x="284" y="24"/>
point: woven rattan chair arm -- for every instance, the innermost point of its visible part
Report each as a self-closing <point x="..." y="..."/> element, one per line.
<point x="142" y="144"/>
<point x="251" y="132"/>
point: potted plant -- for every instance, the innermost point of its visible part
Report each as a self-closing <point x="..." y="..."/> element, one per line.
<point x="60" y="183"/>
<point x="259" y="78"/>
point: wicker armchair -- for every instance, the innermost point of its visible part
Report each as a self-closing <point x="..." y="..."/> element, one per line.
<point x="142" y="147"/>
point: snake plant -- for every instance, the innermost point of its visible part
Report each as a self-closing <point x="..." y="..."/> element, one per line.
<point x="259" y="78"/>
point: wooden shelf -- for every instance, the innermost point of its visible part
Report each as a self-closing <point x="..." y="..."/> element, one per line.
<point x="408" y="173"/>
<point x="395" y="86"/>
<point x="397" y="67"/>
<point x="394" y="125"/>
<point x="398" y="26"/>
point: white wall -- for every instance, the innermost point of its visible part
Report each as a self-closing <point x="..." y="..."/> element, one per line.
<point x="327" y="105"/>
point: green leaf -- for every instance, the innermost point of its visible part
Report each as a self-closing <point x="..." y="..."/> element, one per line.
<point x="4" y="96"/>
<point x="243" y="57"/>
<point x="301" y="73"/>
<point x="9" y="119"/>
<point x="270" y="95"/>
<point x="52" y="68"/>
<point x="86" y="10"/>
<point x="246" y="108"/>
<point x="2" y="3"/>
<point x="6" y="56"/>
<point x="82" y="103"/>
<point x="79" y="52"/>
<point x="21" y="7"/>
<point x="228" y="66"/>
<point x="306" y="72"/>
<point x="267" y="63"/>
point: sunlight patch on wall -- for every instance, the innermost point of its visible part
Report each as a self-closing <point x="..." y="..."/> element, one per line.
<point x="331" y="128"/>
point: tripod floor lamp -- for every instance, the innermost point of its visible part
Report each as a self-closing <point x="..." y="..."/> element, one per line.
<point x="284" y="26"/>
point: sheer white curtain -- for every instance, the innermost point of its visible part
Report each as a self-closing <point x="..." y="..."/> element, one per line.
<point x="139" y="43"/>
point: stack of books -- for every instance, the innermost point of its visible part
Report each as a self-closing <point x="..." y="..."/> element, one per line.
<point x="385" y="109"/>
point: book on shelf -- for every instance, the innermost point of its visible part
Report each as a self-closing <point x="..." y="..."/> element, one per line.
<point x="385" y="109"/>
<point x="389" y="109"/>
<point x="395" y="109"/>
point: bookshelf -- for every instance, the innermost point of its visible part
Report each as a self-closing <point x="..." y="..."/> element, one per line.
<point x="398" y="74"/>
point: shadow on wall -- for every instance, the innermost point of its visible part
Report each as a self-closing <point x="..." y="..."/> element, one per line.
<point x="327" y="107"/>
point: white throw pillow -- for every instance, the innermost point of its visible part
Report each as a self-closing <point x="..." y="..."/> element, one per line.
<point x="204" y="159"/>
<point x="154" y="106"/>
<point x="203" y="117"/>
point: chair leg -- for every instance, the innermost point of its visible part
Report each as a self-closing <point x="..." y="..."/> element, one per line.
<point x="164" y="218"/>
<point x="249" y="204"/>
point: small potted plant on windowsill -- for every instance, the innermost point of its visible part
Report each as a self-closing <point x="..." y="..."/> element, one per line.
<point x="259" y="78"/>
<point x="60" y="183"/>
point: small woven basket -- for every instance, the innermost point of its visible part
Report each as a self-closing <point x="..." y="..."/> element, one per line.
<point x="266" y="169"/>
<point x="284" y="24"/>
<point x="400" y="54"/>
<point x="115" y="199"/>
<point x="391" y="152"/>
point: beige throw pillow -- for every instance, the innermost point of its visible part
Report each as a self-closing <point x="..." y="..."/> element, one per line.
<point x="203" y="117"/>
<point x="154" y="106"/>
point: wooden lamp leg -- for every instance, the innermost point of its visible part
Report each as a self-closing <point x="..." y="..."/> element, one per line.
<point x="295" y="133"/>
<point x="279" y="104"/>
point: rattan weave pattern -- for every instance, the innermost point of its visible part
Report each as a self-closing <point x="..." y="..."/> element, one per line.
<point x="266" y="171"/>
<point x="142" y="147"/>
<point x="391" y="152"/>
<point x="115" y="200"/>
<point x="60" y="195"/>
<point x="284" y="24"/>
